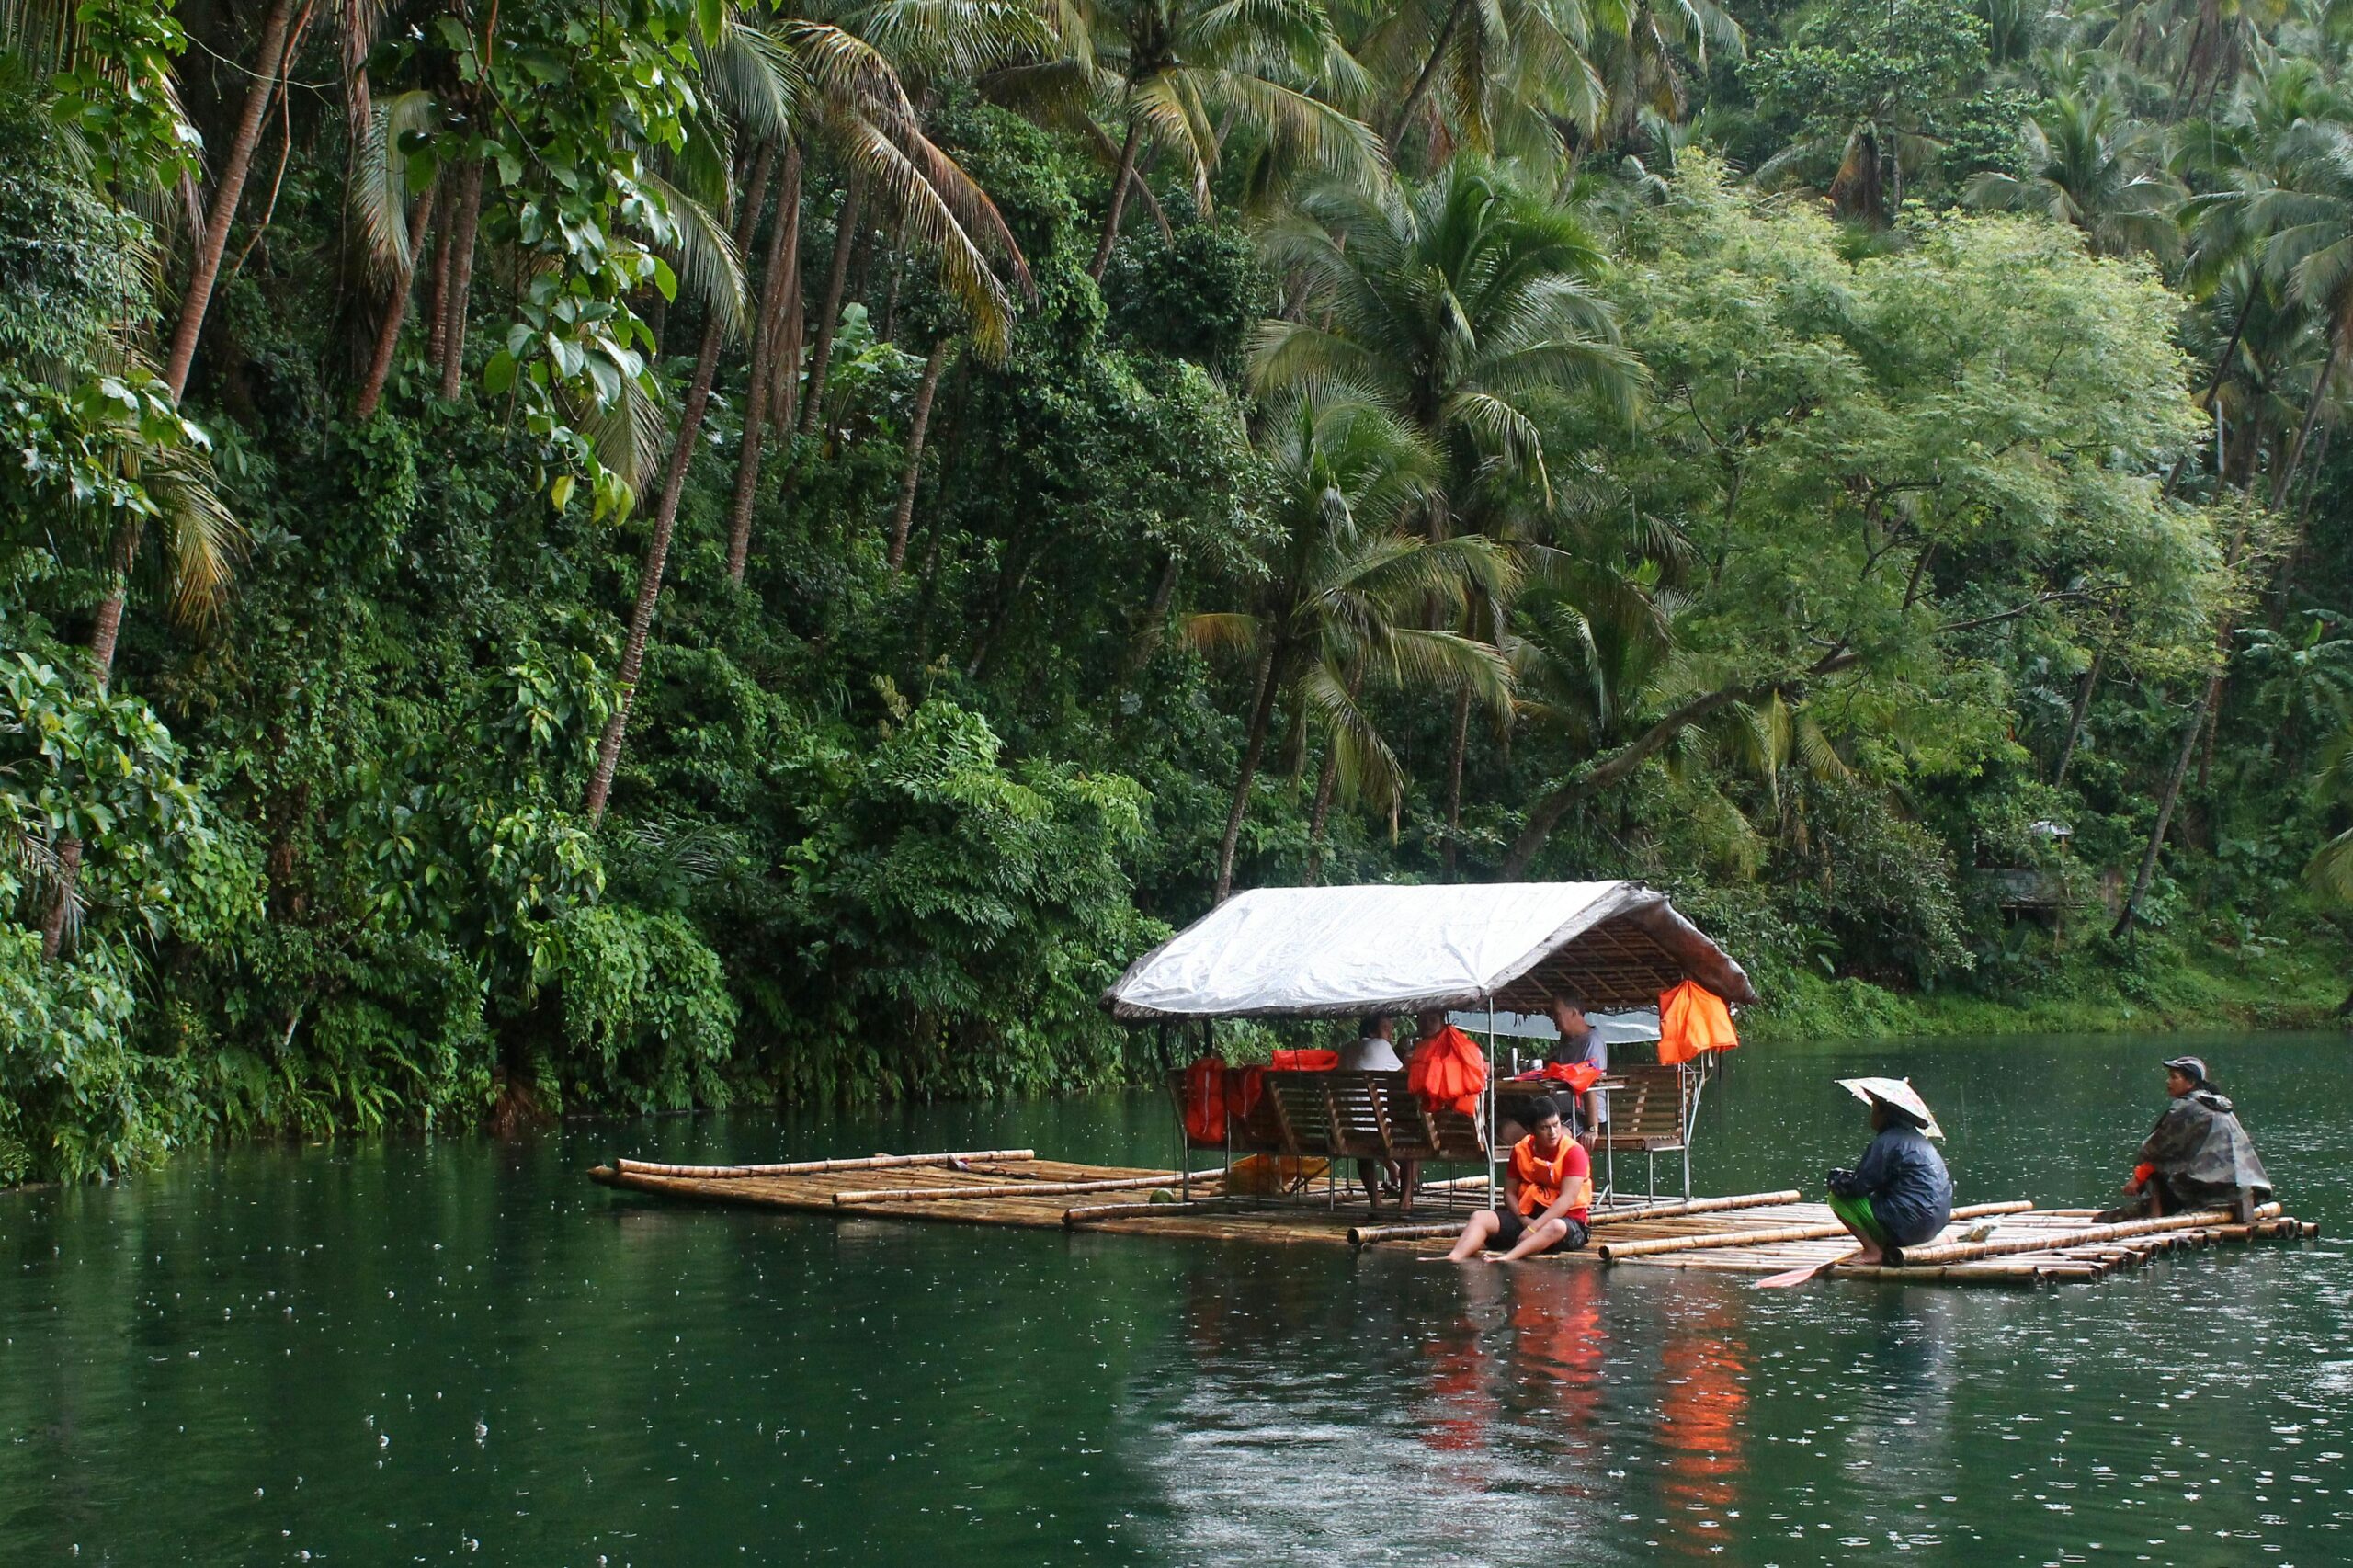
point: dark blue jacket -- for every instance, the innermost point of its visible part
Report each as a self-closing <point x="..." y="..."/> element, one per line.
<point x="1906" y="1179"/>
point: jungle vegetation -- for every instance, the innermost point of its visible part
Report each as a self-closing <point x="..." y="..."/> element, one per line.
<point x="632" y="556"/>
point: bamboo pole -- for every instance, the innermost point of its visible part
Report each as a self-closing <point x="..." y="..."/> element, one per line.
<point x="818" y="1167"/>
<point x="1971" y="1252"/>
<point x="1088" y="1214"/>
<point x="1418" y="1230"/>
<point x="1694" y="1205"/>
<point x="1614" y="1251"/>
<point x="1019" y="1188"/>
<point x="1367" y="1235"/>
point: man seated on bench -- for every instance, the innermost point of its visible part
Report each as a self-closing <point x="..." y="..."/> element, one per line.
<point x="1549" y="1181"/>
<point x="1581" y="1044"/>
<point x="1375" y="1051"/>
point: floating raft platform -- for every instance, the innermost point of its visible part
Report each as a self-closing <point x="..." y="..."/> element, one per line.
<point x="1756" y="1233"/>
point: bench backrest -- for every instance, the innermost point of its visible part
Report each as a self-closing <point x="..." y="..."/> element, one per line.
<point x="1650" y="1111"/>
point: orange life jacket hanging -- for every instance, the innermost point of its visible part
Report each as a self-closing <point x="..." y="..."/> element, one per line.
<point x="1448" y="1072"/>
<point x="1205" y="1101"/>
<point x="1692" y="1018"/>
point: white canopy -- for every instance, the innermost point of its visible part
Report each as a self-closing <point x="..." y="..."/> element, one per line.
<point x="1330" y="952"/>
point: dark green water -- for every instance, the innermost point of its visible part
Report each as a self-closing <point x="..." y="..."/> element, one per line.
<point x="396" y="1352"/>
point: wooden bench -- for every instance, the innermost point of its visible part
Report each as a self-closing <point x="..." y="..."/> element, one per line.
<point x="1651" y="1113"/>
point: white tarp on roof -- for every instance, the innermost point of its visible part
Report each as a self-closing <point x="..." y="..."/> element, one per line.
<point x="1327" y="952"/>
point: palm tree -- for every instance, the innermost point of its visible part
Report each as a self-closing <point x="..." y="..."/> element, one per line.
<point x="1182" y="75"/>
<point x="1342" y="591"/>
<point x="1510" y="75"/>
<point x="124" y="456"/>
<point x="2090" y="168"/>
<point x="1466" y="307"/>
<point x="779" y="84"/>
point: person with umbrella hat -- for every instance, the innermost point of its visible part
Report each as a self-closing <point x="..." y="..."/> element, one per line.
<point x="2197" y="1156"/>
<point x="1900" y="1194"/>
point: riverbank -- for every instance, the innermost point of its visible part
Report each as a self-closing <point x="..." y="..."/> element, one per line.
<point x="2160" y="987"/>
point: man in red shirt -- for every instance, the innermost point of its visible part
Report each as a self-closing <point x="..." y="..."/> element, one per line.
<point x="1549" y="1179"/>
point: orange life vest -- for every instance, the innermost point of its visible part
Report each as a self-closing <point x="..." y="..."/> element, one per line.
<point x="1541" y="1180"/>
<point x="1306" y="1060"/>
<point x="1448" y="1072"/>
<point x="1692" y="1018"/>
<point x="1205" y="1101"/>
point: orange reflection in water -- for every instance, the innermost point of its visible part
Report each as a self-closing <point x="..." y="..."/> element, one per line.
<point x="1704" y="1397"/>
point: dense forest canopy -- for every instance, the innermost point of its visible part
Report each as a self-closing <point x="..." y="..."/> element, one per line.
<point x="640" y="554"/>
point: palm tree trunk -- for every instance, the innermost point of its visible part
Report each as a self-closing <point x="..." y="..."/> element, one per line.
<point x="1454" y="785"/>
<point x="1119" y="201"/>
<point x="462" y="275"/>
<point x="105" y="633"/>
<point x="2076" y="723"/>
<point x="1327" y="778"/>
<point x="1429" y="72"/>
<point x="2311" y="412"/>
<point x="2205" y="705"/>
<point x="437" y="310"/>
<point x="2166" y="803"/>
<point x="1262" y="712"/>
<point x="780" y="302"/>
<point x="388" y="331"/>
<point x="649" y="581"/>
<point x="1146" y="641"/>
<point x="205" y="268"/>
<point x="666" y="515"/>
<point x="821" y="356"/>
<point x="919" y="422"/>
<point x="2213" y="389"/>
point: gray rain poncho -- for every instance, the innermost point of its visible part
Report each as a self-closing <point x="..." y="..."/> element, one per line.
<point x="2202" y="1154"/>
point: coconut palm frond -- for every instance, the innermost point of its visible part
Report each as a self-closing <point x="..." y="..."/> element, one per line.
<point x="704" y="255"/>
<point x="379" y="185"/>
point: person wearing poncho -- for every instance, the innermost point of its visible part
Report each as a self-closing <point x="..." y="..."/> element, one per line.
<point x="1899" y="1194"/>
<point x="2197" y="1156"/>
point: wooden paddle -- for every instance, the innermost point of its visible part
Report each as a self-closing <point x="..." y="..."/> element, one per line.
<point x="1800" y="1276"/>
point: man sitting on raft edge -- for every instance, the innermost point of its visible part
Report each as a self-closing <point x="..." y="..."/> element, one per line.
<point x="1549" y="1180"/>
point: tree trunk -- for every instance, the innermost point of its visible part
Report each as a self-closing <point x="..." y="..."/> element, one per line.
<point x="820" y="357"/>
<point x="2076" y="723"/>
<point x="917" y="424"/>
<point x="106" y="631"/>
<point x="388" y="331"/>
<point x="2166" y="803"/>
<point x="1620" y="764"/>
<point x="1454" y="785"/>
<point x="779" y="294"/>
<point x="205" y="268"/>
<point x="666" y="516"/>
<point x="1146" y="641"/>
<point x="1262" y="712"/>
<point x="1118" y="203"/>
<point x="2213" y="388"/>
<point x="2204" y="707"/>
<point x="2312" y="413"/>
<point x="649" y="582"/>
<point x="1429" y="72"/>
<point x="1327" y="778"/>
<point x="437" y="313"/>
<point x="462" y="275"/>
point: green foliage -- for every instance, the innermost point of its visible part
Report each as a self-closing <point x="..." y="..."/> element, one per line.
<point x="1566" y="506"/>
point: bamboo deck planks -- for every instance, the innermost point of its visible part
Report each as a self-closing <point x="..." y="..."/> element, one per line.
<point x="1748" y="1234"/>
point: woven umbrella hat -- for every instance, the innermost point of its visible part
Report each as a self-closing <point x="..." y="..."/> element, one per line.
<point x="1899" y="1093"/>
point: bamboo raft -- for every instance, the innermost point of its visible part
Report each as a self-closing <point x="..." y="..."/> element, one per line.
<point x="1756" y="1233"/>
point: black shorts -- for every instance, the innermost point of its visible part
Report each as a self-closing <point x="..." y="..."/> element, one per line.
<point x="1510" y="1226"/>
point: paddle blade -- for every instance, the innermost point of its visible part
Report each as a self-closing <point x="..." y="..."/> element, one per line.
<point x="1795" y="1276"/>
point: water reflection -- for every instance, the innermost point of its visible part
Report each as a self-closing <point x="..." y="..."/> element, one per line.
<point x="393" y="1353"/>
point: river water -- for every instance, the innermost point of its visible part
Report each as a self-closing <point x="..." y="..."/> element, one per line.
<point x="397" y="1351"/>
